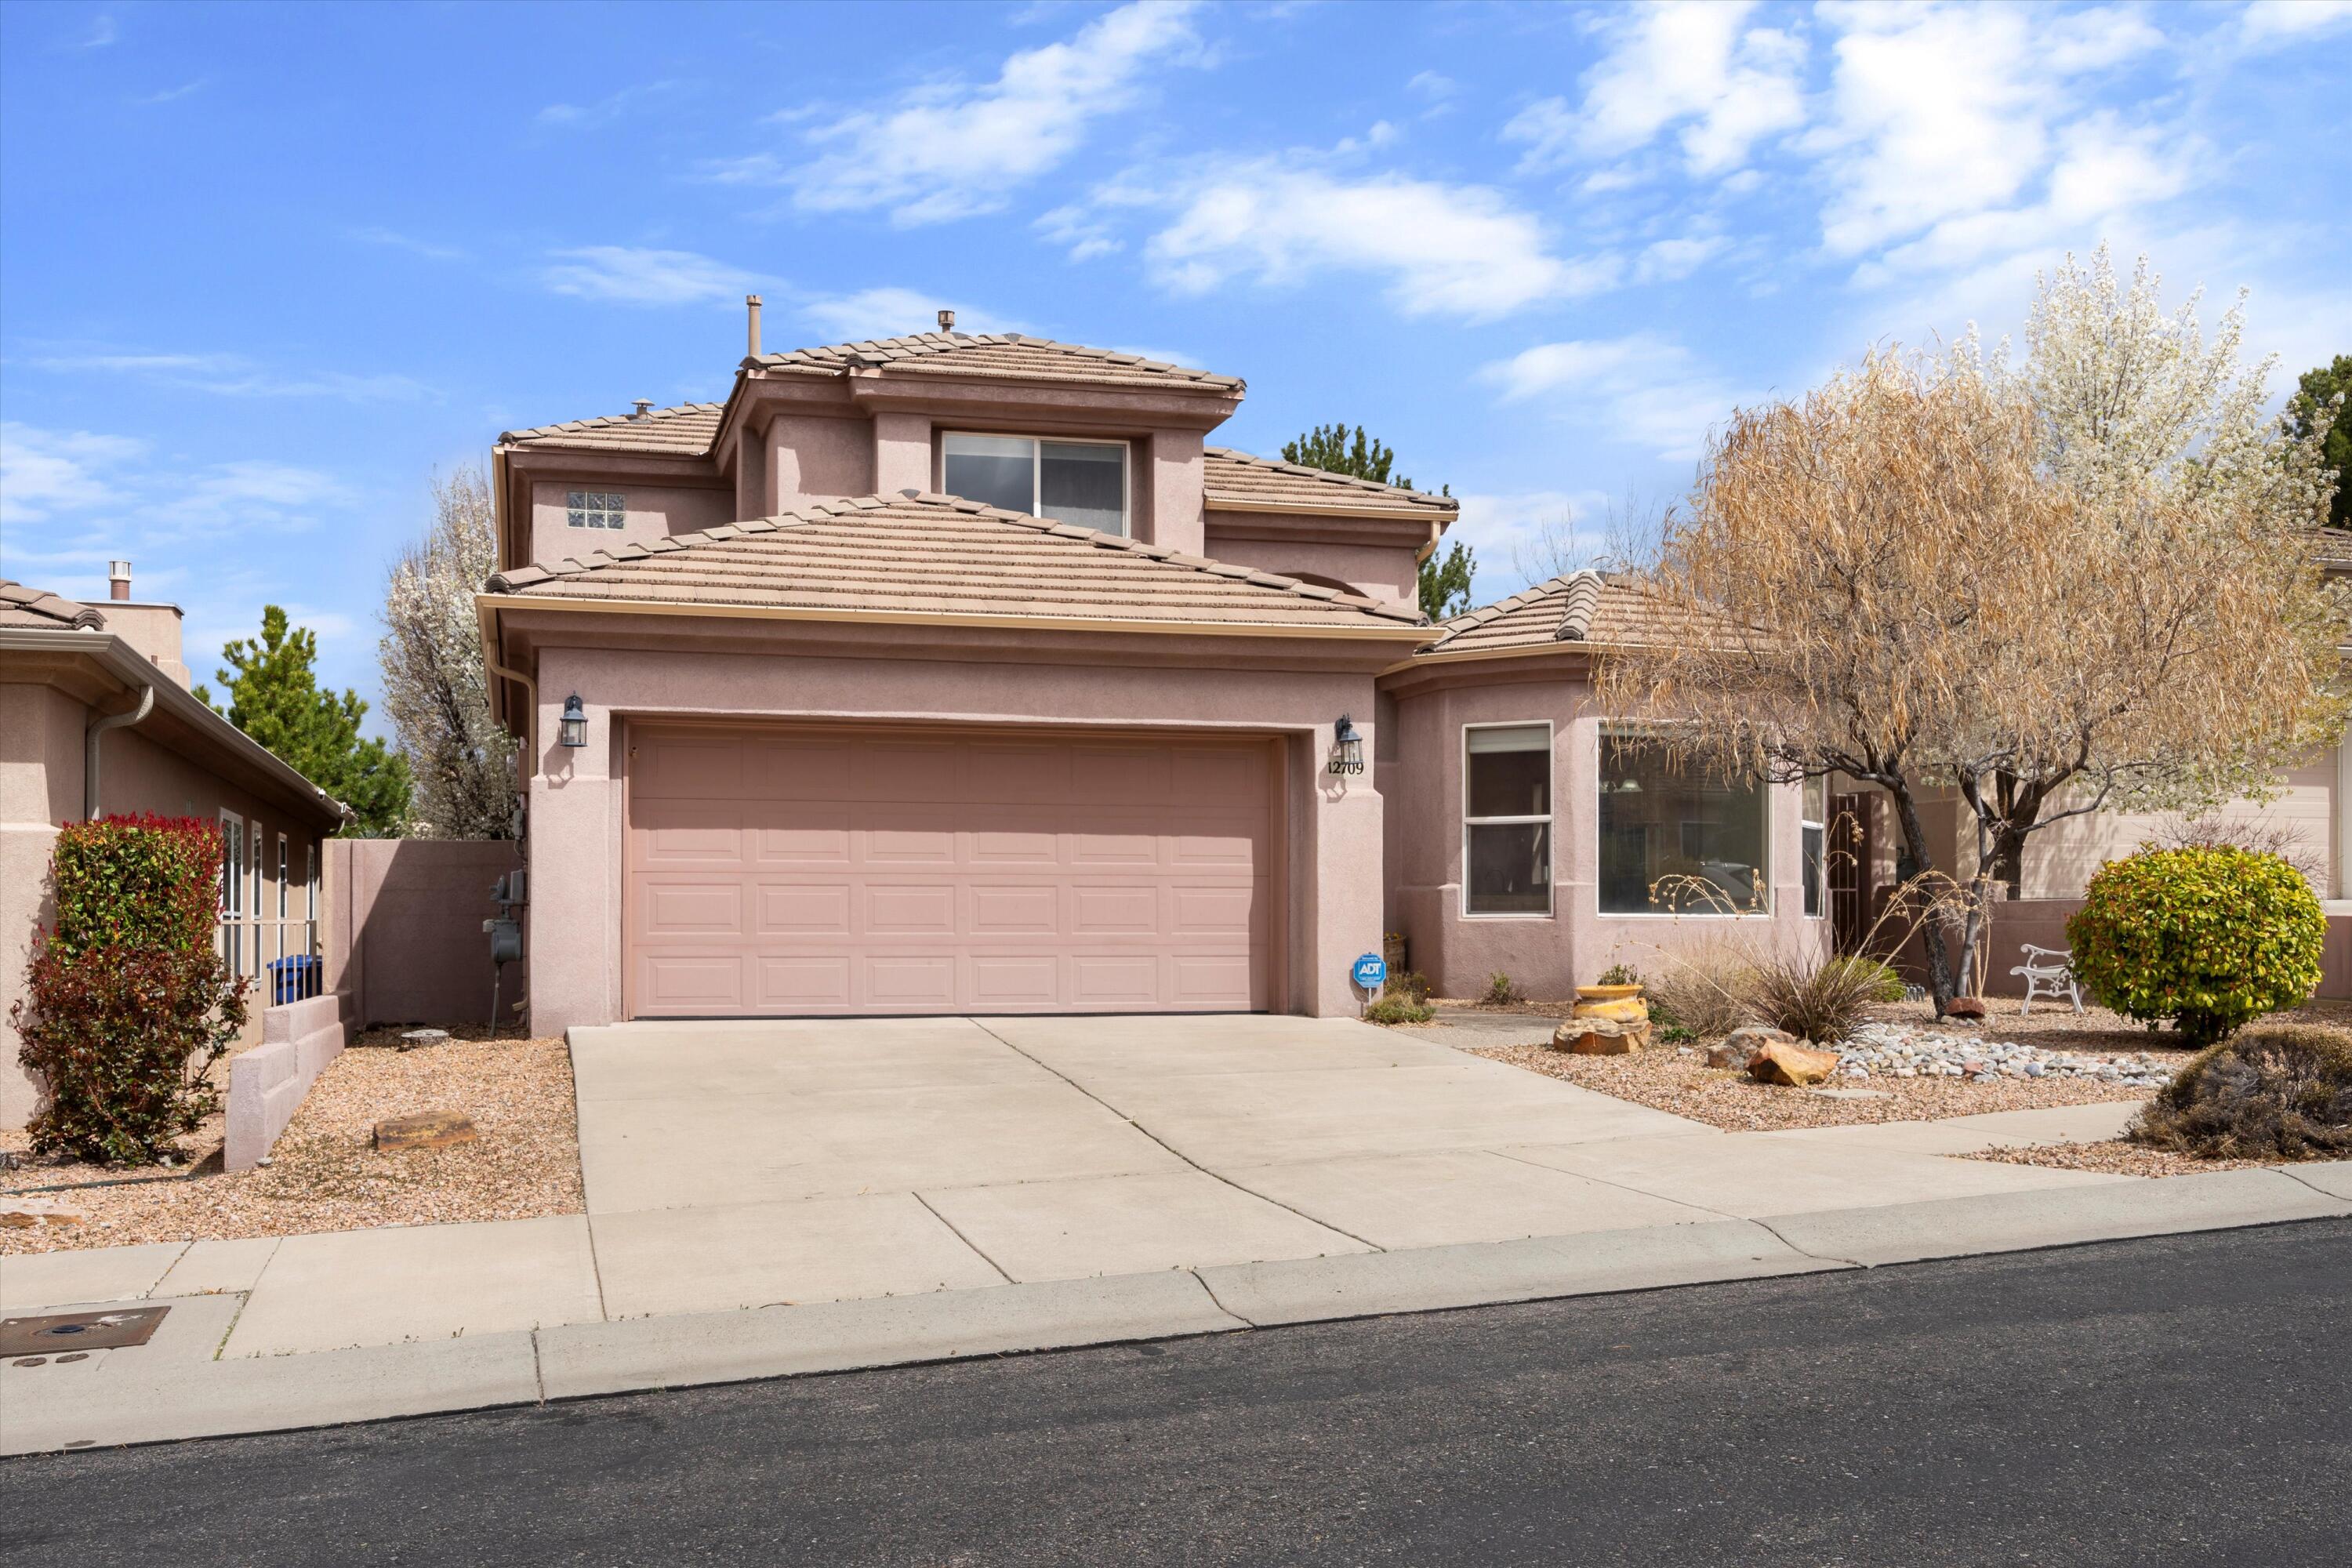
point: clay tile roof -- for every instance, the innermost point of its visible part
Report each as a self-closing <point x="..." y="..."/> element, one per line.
<point x="1576" y="607"/>
<point x="35" y="610"/>
<point x="932" y="554"/>
<point x="685" y="431"/>
<point x="2335" y="548"/>
<point x="999" y="355"/>
<point x="1241" y="482"/>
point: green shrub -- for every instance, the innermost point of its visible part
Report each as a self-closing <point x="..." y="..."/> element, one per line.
<point x="1500" y="991"/>
<point x="1412" y="985"/>
<point x="2206" y="937"/>
<point x="1392" y="1009"/>
<point x="2277" y="1091"/>
<point x="1620" y="975"/>
<point x="1819" y="1001"/>
<point x="127" y="1007"/>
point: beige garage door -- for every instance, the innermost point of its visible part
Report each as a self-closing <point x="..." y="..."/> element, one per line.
<point x="810" y="872"/>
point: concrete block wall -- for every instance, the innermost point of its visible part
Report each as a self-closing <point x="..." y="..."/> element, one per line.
<point x="267" y="1083"/>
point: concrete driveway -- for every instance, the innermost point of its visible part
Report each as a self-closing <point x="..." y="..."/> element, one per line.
<point x="743" y="1164"/>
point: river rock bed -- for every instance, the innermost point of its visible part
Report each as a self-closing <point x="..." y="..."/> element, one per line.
<point x="1886" y="1050"/>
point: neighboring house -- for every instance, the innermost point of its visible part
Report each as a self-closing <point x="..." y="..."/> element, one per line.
<point x="95" y="719"/>
<point x="958" y="673"/>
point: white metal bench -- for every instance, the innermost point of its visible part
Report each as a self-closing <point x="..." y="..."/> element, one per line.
<point x="2048" y="972"/>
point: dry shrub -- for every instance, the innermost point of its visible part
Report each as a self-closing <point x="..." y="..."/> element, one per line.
<point x="1821" y="1001"/>
<point x="1705" y="991"/>
<point x="2278" y="1091"/>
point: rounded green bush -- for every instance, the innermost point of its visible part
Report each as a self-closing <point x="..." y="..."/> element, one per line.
<point x="2207" y="938"/>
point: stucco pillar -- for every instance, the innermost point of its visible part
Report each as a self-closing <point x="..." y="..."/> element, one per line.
<point x="1342" y="912"/>
<point x="1175" y="467"/>
<point x="574" y="917"/>
<point x="902" y="453"/>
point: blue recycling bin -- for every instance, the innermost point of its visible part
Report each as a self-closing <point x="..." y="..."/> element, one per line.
<point x="293" y="979"/>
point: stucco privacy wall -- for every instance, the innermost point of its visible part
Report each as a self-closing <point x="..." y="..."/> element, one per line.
<point x="41" y="762"/>
<point x="404" y="929"/>
<point x="1546" y="955"/>
<point x="576" y="800"/>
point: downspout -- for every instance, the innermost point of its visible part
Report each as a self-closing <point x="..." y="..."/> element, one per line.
<point x="90" y="733"/>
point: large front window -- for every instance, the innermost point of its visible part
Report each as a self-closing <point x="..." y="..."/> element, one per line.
<point x="1674" y="840"/>
<point x="1083" y="483"/>
<point x="1506" y="819"/>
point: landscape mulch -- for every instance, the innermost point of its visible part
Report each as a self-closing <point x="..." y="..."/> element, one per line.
<point x="325" y="1172"/>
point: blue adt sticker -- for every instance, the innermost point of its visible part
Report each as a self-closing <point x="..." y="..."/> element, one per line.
<point x="1371" y="970"/>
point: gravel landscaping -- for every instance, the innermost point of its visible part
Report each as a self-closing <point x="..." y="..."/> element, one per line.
<point x="325" y="1172"/>
<point x="2114" y="1158"/>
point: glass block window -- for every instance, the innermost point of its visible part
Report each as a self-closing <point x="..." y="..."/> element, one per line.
<point x="596" y="509"/>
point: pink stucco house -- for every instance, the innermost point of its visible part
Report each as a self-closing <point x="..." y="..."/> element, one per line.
<point x="962" y="673"/>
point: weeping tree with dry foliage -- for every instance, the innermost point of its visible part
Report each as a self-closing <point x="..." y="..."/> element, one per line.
<point x="1902" y="584"/>
<point x="434" y="688"/>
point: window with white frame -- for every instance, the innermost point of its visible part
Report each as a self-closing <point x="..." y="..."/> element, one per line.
<point x="1083" y="483"/>
<point x="1817" y="839"/>
<point x="285" y="892"/>
<point x="1674" y="838"/>
<point x="310" y="880"/>
<point x="232" y="904"/>
<point x="254" y="840"/>
<point x="1506" y="819"/>
<point x="595" y="508"/>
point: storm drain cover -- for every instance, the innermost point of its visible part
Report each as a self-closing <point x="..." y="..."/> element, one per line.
<point x="56" y="1332"/>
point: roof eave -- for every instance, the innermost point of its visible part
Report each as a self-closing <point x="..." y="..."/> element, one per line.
<point x="1374" y="632"/>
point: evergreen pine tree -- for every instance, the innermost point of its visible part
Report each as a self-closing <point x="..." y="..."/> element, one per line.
<point x="274" y="697"/>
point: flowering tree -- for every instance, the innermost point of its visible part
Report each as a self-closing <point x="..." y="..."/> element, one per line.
<point x="434" y="688"/>
<point x="1939" y="577"/>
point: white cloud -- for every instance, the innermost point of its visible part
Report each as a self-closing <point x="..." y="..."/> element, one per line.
<point x="1694" y="64"/>
<point x="2276" y="21"/>
<point x="1456" y="251"/>
<point x="893" y="313"/>
<point x="1639" y="390"/>
<point x="1083" y="234"/>
<point x="630" y="275"/>
<point x="234" y="376"/>
<point x="1669" y="260"/>
<point x="396" y="240"/>
<point x="42" y="472"/>
<point x="1527" y="535"/>
<point x="1942" y="115"/>
<point x="952" y="150"/>
<point x="102" y="32"/>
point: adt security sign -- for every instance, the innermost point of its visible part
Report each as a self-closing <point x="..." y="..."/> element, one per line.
<point x="1371" y="971"/>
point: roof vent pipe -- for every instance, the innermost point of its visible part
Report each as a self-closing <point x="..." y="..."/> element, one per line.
<point x="947" y="321"/>
<point x="91" y="732"/>
<point x="752" y="304"/>
<point x="644" y="407"/>
<point x="118" y="580"/>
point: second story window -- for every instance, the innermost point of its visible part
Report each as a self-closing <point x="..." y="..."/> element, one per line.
<point x="1078" y="482"/>
<point x="595" y="508"/>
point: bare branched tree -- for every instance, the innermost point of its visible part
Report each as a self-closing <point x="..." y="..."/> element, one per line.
<point x="1891" y="580"/>
<point x="434" y="684"/>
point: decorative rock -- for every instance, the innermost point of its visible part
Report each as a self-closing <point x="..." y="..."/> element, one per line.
<point x="1970" y="1008"/>
<point x="25" y="1214"/>
<point x="424" y="1129"/>
<point x="1739" y="1046"/>
<point x="413" y="1039"/>
<point x="1893" y="1050"/>
<point x="1601" y="1037"/>
<point x="1792" y="1067"/>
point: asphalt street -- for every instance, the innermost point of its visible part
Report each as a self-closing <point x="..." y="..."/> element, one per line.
<point x="2178" y="1401"/>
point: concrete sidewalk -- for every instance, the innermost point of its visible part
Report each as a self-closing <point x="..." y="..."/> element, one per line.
<point x="778" y="1198"/>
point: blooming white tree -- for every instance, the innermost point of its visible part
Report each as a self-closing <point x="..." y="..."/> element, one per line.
<point x="435" y="689"/>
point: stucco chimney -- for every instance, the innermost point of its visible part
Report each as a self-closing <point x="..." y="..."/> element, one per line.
<point x="752" y="304"/>
<point x="947" y="321"/>
<point x="645" y="407"/>
<point x="118" y="580"/>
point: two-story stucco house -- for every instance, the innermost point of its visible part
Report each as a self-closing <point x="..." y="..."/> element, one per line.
<point x="961" y="673"/>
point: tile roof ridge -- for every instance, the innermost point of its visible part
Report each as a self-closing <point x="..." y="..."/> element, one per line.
<point x="870" y="350"/>
<point x="1566" y="583"/>
<point x="1304" y="470"/>
<point x="541" y="572"/>
<point x="598" y="421"/>
<point x="70" y="614"/>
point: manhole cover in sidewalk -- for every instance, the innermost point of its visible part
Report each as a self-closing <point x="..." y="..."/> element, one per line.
<point x="79" y="1330"/>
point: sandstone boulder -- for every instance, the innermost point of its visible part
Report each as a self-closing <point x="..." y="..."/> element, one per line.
<point x="1738" y="1048"/>
<point x="1792" y="1067"/>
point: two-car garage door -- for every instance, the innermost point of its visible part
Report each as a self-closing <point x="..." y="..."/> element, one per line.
<point x="782" y="871"/>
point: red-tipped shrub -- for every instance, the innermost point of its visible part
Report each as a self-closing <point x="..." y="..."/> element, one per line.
<point x="127" y="1007"/>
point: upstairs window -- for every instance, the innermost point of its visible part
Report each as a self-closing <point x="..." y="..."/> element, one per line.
<point x="596" y="509"/>
<point x="1083" y="483"/>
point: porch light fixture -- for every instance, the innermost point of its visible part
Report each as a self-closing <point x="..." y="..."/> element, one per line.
<point x="1347" y="748"/>
<point x="572" y="728"/>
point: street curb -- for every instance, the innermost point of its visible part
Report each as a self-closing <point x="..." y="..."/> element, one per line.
<point x="2059" y="1216"/>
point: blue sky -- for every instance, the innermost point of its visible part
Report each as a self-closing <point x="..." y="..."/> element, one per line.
<point x="263" y="270"/>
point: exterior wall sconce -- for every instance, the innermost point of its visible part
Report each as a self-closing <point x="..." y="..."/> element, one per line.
<point x="1347" y="748"/>
<point x="572" y="728"/>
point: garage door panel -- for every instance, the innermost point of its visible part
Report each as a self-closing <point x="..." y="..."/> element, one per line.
<point x="948" y="872"/>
